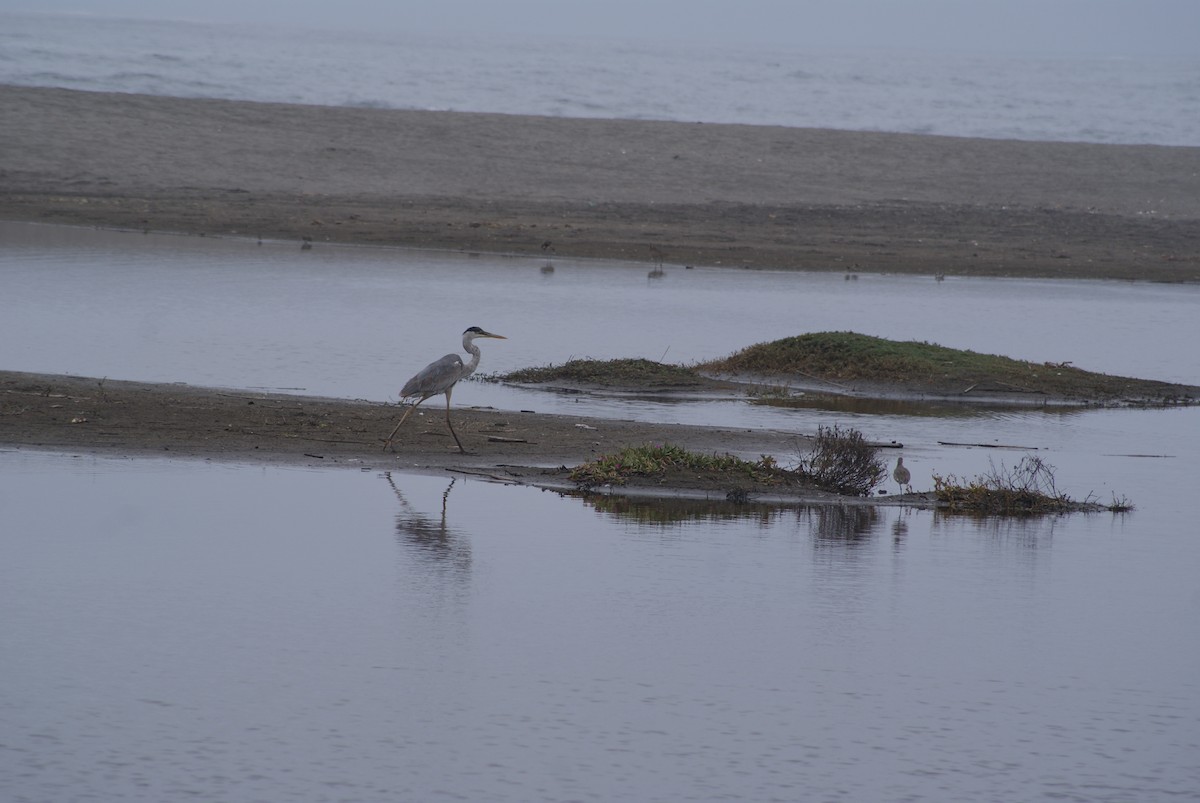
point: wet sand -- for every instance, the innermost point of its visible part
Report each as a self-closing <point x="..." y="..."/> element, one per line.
<point x="684" y="193"/>
<point x="109" y="417"/>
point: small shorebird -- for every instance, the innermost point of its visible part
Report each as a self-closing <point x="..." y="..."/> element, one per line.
<point x="901" y="475"/>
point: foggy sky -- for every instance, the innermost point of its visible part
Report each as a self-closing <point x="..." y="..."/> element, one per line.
<point x="1011" y="27"/>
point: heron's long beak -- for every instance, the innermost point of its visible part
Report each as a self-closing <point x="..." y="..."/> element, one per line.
<point x="489" y="334"/>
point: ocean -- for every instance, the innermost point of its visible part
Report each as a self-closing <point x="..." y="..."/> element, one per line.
<point x="1100" y="100"/>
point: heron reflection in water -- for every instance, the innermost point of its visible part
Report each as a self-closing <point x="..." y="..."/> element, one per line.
<point x="433" y="538"/>
<point x="440" y="376"/>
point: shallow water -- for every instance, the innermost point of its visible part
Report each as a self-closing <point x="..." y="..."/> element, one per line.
<point x="341" y="635"/>
<point x="354" y="321"/>
<point x="176" y="630"/>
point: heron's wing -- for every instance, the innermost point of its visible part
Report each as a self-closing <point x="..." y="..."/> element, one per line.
<point x="434" y="378"/>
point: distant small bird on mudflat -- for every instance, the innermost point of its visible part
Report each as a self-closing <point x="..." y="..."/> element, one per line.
<point x="901" y="475"/>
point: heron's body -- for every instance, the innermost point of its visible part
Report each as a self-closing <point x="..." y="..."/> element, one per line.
<point x="901" y="474"/>
<point x="440" y="376"/>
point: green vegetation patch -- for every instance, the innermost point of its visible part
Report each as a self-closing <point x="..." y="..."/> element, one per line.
<point x="1027" y="488"/>
<point x="848" y="356"/>
<point x="840" y="462"/>
<point x="631" y="372"/>
<point x="663" y="462"/>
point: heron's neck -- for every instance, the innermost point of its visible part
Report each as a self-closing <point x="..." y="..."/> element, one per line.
<point x="473" y="350"/>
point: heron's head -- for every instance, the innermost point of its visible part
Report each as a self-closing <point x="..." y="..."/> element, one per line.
<point x="475" y="331"/>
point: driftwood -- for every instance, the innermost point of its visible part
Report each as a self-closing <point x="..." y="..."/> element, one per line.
<point x="988" y="445"/>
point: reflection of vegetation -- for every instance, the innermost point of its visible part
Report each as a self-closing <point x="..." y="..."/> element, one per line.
<point x="843" y="462"/>
<point x="850" y="356"/>
<point x="635" y="373"/>
<point x="678" y="511"/>
<point x="829" y="523"/>
<point x="847" y="523"/>
<point x="1023" y="532"/>
<point x="1028" y="488"/>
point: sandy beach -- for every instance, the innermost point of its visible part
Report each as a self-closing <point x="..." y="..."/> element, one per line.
<point x="684" y="193"/>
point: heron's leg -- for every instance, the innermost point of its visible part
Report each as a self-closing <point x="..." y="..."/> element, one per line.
<point x="388" y="443"/>
<point x="449" y="424"/>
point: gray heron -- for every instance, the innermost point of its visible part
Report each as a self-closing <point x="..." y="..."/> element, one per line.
<point x="901" y="475"/>
<point x="440" y="376"/>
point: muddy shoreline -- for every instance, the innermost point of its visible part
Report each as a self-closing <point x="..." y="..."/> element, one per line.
<point x="126" y="419"/>
<point x="101" y="416"/>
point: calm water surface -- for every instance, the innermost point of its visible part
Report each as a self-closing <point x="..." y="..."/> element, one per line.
<point x="181" y="630"/>
<point x="177" y="630"/>
<point x="358" y="321"/>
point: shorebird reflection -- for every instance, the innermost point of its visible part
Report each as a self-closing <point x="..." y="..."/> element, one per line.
<point x="431" y="536"/>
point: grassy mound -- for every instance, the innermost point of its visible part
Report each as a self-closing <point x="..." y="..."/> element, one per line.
<point x="625" y="373"/>
<point x="841" y="462"/>
<point x="848" y="356"/>
<point x="870" y="365"/>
